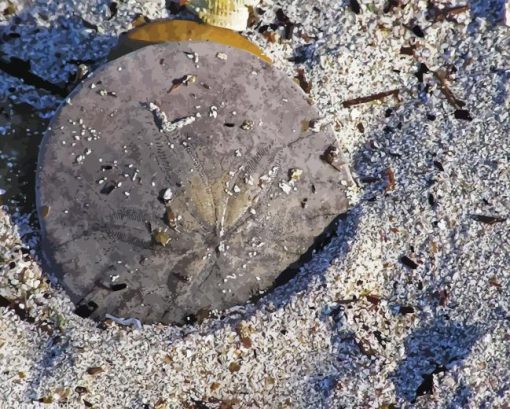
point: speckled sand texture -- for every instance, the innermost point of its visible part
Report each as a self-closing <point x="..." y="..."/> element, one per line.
<point x="407" y="307"/>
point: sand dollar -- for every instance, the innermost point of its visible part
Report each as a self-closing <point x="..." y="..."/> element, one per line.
<point x="181" y="177"/>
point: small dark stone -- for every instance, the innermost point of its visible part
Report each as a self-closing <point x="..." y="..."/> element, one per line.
<point x="427" y="385"/>
<point x="369" y="179"/>
<point x="408" y="262"/>
<point x="487" y="219"/>
<point x="108" y="188"/>
<point x="355" y="6"/>
<point x="85" y="310"/>
<point x="263" y="28"/>
<point x="113" y="9"/>
<point x="118" y="287"/>
<point x="418" y="32"/>
<point x="422" y="69"/>
<point x="438" y="165"/>
<point x="463" y="114"/>
<point x="390" y="5"/>
<point x="81" y="390"/>
<point x="406" y="309"/>
<point x="432" y="200"/>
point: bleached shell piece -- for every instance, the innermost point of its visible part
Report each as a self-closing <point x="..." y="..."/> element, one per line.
<point x="231" y="14"/>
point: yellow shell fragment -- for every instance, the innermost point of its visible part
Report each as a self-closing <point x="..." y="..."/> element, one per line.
<point x="231" y="14"/>
<point x="161" y="237"/>
<point x="295" y="174"/>
<point x="160" y="31"/>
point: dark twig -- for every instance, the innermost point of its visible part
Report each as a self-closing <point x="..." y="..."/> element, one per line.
<point x="441" y="77"/>
<point x="436" y="14"/>
<point x="443" y="87"/>
<point x="370" y="98"/>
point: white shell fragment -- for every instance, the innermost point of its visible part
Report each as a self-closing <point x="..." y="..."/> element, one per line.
<point x="125" y="321"/>
<point x="167" y="195"/>
<point x="222" y="56"/>
<point x="285" y="187"/>
<point x="167" y="126"/>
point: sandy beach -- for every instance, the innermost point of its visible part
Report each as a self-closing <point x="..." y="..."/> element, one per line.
<point x="408" y="306"/>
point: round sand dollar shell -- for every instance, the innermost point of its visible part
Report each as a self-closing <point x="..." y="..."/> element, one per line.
<point x="182" y="177"/>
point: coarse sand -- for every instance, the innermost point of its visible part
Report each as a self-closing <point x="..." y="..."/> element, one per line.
<point x="408" y="306"/>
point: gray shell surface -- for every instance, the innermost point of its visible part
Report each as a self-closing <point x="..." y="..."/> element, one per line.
<point x="249" y="191"/>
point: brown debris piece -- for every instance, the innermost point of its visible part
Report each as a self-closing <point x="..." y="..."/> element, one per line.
<point x="442" y="296"/>
<point x="270" y="36"/>
<point x="160" y="404"/>
<point x="494" y="282"/>
<point x="234" y="367"/>
<point x="441" y="76"/>
<point x="391" y="4"/>
<point x="253" y="17"/>
<point x="184" y="80"/>
<point x="45" y="399"/>
<point x="203" y="313"/>
<point x="373" y="299"/>
<point x="374" y="97"/>
<point x="140" y="20"/>
<point x="408" y="50"/>
<point x="365" y="348"/>
<point x="170" y="218"/>
<point x="45" y="211"/>
<point x="303" y="83"/>
<point x="436" y="14"/>
<point x="228" y="404"/>
<point x="95" y="370"/>
<point x="331" y="155"/>
<point x="390" y="179"/>
<point x="244" y="331"/>
<point x="487" y="219"/>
